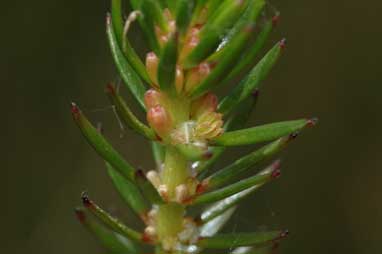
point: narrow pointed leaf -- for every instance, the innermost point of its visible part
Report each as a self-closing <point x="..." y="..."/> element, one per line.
<point x="249" y="16"/>
<point x="110" y="221"/>
<point x="214" y="30"/>
<point x="129" y="76"/>
<point x="153" y="10"/>
<point x="127" y="115"/>
<point x="243" y="164"/>
<point x="250" y="54"/>
<point x="199" y="6"/>
<point x="172" y="5"/>
<point x="225" y="241"/>
<point x="214" y="226"/>
<point x="228" y="59"/>
<point x="167" y="65"/>
<point x="112" y="241"/>
<point x="148" y="189"/>
<point x="203" y="11"/>
<point x="261" y="133"/>
<point x="252" y="81"/>
<point x="117" y="20"/>
<point x="234" y="188"/>
<point x="129" y="192"/>
<point x="184" y="10"/>
<point x="158" y="153"/>
<point x="212" y="7"/>
<point x="135" y="61"/>
<point x="236" y="121"/>
<point x="101" y="145"/>
<point x="222" y="206"/>
<point x="123" y="42"/>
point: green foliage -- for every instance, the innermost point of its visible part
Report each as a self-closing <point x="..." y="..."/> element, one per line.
<point x="199" y="46"/>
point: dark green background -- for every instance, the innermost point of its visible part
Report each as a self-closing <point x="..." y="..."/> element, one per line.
<point x="53" y="52"/>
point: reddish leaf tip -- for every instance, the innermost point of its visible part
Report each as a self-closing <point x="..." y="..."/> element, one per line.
<point x="283" y="43"/>
<point x="139" y="174"/>
<point x="80" y="214"/>
<point x="75" y="109"/>
<point x="110" y="89"/>
<point x="207" y="155"/>
<point x="276" y="173"/>
<point x="146" y="238"/>
<point x="293" y="136"/>
<point x="256" y="93"/>
<point x="202" y="186"/>
<point x="276" y="19"/>
<point x="312" y="122"/>
<point x="284" y="234"/>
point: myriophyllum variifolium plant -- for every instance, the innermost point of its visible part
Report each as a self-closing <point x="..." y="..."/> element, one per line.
<point x="196" y="47"/>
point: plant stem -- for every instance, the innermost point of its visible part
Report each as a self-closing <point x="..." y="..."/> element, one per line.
<point x="175" y="171"/>
<point x="170" y="215"/>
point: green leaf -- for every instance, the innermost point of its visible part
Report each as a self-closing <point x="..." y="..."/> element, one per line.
<point x="236" y="121"/>
<point x="252" y="81"/>
<point x="128" y="191"/>
<point x="184" y="11"/>
<point x="112" y="241"/>
<point x="243" y="164"/>
<point x="167" y="65"/>
<point x="212" y="6"/>
<point x="135" y="61"/>
<point x="215" y="28"/>
<point x="110" y="221"/>
<point x="222" y="206"/>
<point x="250" y="54"/>
<point x="249" y="16"/>
<point x="213" y="226"/>
<point x="158" y="153"/>
<point x="232" y="189"/>
<point x="261" y="133"/>
<point x="101" y="145"/>
<point x="152" y="10"/>
<point x="148" y="189"/>
<point x="172" y="5"/>
<point x="123" y="42"/>
<point x="128" y="116"/>
<point x="225" y="241"/>
<point x="117" y="20"/>
<point x="228" y="59"/>
<point x="129" y="76"/>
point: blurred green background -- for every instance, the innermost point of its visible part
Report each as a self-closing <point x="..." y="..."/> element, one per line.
<point x="53" y="52"/>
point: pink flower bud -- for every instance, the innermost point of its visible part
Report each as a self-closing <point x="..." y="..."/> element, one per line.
<point x="206" y="103"/>
<point x="191" y="41"/>
<point x="159" y="120"/>
<point x="152" y="62"/>
<point x="197" y="75"/>
<point x="152" y="98"/>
